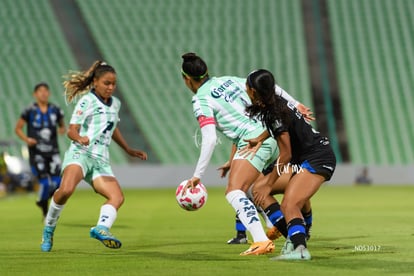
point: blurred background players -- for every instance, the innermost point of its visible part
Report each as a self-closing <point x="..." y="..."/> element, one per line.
<point x="44" y="121"/>
<point x="363" y="178"/>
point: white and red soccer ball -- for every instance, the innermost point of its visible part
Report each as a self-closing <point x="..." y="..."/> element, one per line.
<point x="193" y="199"/>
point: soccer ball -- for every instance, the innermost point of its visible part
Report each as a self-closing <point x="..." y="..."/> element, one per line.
<point x="193" y="199"/>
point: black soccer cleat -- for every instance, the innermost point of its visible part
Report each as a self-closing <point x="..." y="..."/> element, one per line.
<point x="238" y="240"/>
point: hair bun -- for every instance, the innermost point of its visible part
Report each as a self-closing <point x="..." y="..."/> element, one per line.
<point x="190" y="57"/>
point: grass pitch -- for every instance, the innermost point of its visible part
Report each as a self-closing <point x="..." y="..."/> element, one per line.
<point x="357" y="231"/>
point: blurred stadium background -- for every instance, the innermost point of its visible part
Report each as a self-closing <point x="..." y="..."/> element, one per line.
<point x="350" y="60"/>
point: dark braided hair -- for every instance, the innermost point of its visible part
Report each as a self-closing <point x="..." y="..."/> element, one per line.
<point x="194" y="67"/>
<point x="266" y="105"/>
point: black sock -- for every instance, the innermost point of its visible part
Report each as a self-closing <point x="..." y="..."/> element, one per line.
<point x="275" y="215"/>
<point x="240" y="228"/>
<point x="43" y="205"/>
<point x="241" y="234"/>
<point x="297" y="232"/>
<point x="307" y="217"/>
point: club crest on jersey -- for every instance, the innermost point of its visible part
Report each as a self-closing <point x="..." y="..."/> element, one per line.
<point x="99" y="110"/>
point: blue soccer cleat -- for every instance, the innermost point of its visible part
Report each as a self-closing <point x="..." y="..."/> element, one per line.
<point x="102" y="234"/>
<point x="47" y="239"/>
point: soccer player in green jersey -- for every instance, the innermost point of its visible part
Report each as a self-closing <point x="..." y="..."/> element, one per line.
<point x="92" y="127"/>
<point x="220" y="102"/>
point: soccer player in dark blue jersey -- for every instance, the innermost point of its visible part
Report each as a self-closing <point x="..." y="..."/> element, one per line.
<point x="44" y="122"/>
<point x="301" y="148"/>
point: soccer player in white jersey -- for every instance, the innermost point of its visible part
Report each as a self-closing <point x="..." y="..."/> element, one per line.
<point x="220" y="102"/>
<point x="92" y="127"/>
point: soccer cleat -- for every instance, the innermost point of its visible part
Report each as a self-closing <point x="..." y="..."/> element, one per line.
<point x="238" y="240"/>
<point x="259" y="248"/>
<point x="273" y="233"/>
<point x="287" y="247"/>
<point x="47" y="238"/>
<point x="301" y="253"/>
<point x="102" y="234"/>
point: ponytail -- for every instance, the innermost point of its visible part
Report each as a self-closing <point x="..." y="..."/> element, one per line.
<point x="267" y="106"/>
<point x="79" y="83"/>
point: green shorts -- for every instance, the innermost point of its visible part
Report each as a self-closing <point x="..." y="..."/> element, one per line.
<point x="92" y="167"/>
<point x="266" y="154"/>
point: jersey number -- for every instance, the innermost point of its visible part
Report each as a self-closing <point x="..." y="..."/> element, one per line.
<point x="109" y="127"/>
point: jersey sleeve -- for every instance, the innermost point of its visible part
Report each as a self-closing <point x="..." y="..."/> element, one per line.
<point x="25" y="115"/>
<point x="277" y="128"/>
<point x="209" y="138"/>
<point x="81" y="111"/>
<point x="203" y="111"/>
<point x="118" y="107"/>
<point x="282" y="93"/>
<point x="61" y="114"/>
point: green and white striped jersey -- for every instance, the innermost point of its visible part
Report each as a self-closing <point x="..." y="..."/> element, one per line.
<point x="225" y="99"/>
<point x="97" y="121"/>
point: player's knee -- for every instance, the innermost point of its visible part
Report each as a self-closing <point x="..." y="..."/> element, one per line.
<point x="121" y="200"/>
<point x="65" y="191"/>
<point x="62" y="195"/>
<point x="117" y="201"/>
<point x="291" y="205"/>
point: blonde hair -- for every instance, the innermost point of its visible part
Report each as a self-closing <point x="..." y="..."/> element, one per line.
<point x="79" y="83"/>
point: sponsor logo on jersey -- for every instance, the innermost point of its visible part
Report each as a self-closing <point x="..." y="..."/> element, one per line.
<point x="229" y="95"/>
<point x="217" y="92"/>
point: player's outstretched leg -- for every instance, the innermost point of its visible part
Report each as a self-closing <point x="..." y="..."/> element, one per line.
<point x="248" y="215"/>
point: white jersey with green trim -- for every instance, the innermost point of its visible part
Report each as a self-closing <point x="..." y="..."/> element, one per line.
<point x="97" y="121"/>
<point x="225" y="99"/>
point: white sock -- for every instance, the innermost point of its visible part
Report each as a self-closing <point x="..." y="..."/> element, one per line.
<point x="107" y="216"/>
<point x="247" y="214"/>
<point x="53" y="213"/>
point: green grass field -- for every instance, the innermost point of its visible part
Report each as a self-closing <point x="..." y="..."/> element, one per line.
<point x="357" y="231"/>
